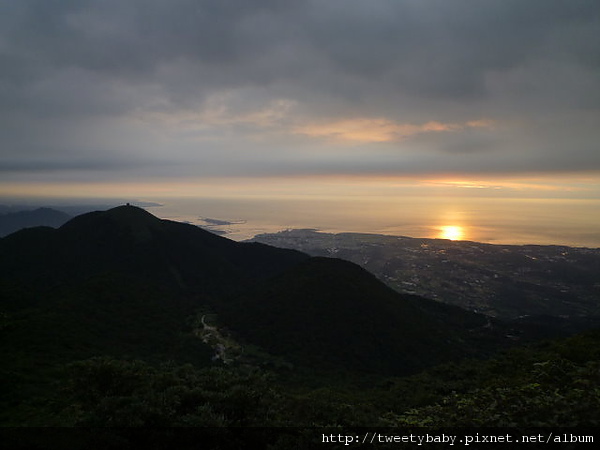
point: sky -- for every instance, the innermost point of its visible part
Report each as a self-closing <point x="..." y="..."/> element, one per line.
<point x="299" y="98"/>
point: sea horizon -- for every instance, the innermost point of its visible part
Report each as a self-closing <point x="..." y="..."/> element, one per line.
<point x="509" y="221"/>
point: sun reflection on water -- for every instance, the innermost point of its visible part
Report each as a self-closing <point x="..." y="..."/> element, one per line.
<point x="452" y="232"/>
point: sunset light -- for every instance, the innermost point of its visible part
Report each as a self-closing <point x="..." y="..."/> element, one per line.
<point x="451" y="232"/>
<point x="398" y="117"/>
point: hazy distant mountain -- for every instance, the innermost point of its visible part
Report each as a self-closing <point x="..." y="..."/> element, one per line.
<point x="14" y="221"/>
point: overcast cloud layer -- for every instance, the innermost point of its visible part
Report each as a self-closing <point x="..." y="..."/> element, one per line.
<point x="115" y="89"/>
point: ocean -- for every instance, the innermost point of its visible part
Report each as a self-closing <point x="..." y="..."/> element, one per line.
<point x="572" y="222"/>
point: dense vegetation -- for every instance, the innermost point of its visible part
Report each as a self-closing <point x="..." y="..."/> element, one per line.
<point x="551" y="384"/>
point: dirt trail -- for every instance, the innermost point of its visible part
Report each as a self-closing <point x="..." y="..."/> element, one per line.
<point x="225" y="348"/>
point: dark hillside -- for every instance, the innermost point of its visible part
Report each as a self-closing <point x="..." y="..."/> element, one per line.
<point x="331" y="312"/>
<point x="108" y="279"/>
<point x="129" y="240"/>
<point x="101" y="273"/>
<point x="119" y="283"/>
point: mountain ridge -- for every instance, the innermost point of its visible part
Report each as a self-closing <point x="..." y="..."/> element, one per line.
<point x="330" y="310"/>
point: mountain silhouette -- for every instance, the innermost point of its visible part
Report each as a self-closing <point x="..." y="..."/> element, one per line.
<point x="130" y="241"/>
<point x="14" y="221"/>
<point x="332" y="313"/>
<point x="124" y="283"/>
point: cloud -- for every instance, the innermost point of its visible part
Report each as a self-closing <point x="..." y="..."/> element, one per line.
<point x="364" y="130"/>
<point x="264" y="87"/>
